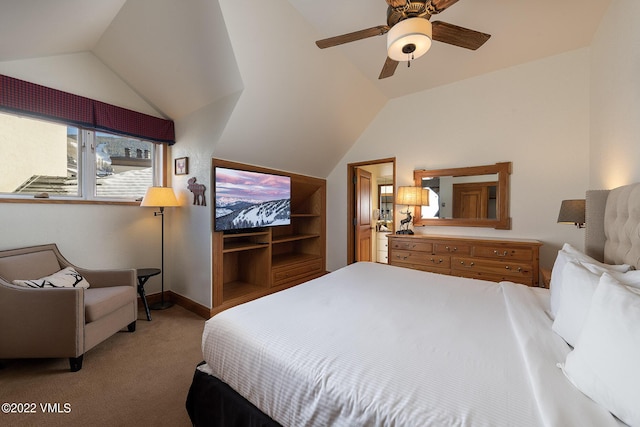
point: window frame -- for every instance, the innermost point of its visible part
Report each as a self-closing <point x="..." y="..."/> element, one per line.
<point x="87" y="180"/>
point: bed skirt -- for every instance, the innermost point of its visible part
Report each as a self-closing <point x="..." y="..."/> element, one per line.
<point x="211" y="402"/>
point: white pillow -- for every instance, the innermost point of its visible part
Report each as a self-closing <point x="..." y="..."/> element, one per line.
<point x="65" y="278"/>
<point x="579" y="282"/>
<point x="578" y="286"/>
<point x="566" y="254"/>
<point x="629" y="278"/>
<point x="604" y="363"/>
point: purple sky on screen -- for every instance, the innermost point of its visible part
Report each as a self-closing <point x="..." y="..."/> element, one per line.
<point x="251" y="185"/>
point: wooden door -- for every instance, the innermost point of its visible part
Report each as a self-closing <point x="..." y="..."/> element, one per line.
<point x="471" y="200"/>
<point x="363" y="226"/>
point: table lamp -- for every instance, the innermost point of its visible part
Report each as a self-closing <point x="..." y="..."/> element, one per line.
<point x="410" y="196"/>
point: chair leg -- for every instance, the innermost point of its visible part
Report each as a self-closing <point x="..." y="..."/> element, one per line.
<point x="131" y="327"/>
<point x="75" y="363"/>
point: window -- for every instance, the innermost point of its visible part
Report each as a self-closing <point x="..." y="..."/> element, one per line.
<point x="69" y="162"/>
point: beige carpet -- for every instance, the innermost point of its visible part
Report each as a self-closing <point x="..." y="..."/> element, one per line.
<point x="131" y="379"/>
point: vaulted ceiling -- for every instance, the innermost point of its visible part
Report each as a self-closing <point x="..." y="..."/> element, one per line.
<point x="182" y="56"/>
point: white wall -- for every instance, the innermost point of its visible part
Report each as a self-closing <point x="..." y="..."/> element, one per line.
<point x="615" y="97"/>
<point x="198" y="135"/>
<point x="91" y="236"/>
<point x="535" y="115"/>
<point x="296" y="113"/>
<point x="81" y="74"/>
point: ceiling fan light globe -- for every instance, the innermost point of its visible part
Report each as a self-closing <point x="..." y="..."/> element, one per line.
<point x="416" y="31"/>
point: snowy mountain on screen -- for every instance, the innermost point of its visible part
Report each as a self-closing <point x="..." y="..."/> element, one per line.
<point x="244" y="215"/>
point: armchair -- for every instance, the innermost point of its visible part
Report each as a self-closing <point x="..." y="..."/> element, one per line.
<point x="60" y="322"/>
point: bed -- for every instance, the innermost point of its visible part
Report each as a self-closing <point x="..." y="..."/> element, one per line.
<point x="377" y="345"/>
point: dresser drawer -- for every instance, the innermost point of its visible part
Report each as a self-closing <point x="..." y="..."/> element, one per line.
<point x="481" y="275"/>
<point x="506" y="268"/>
<point x="425" y="267"/>
<point x="441" y="261"/>
<point x="296" y="272"/>
<point x="412" y="245"/>
<point x="451" y="249"/>
<point x="506" y="253"/>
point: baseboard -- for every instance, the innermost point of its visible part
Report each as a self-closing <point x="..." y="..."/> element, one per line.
<point x="177" y="299"/>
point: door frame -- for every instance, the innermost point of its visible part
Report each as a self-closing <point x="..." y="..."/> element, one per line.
<point x="351" y="201"/>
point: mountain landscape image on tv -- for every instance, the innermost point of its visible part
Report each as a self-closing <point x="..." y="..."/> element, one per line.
<point x="246" y="200"/>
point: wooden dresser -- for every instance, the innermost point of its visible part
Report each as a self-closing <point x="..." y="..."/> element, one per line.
<point x="496" y="260"/>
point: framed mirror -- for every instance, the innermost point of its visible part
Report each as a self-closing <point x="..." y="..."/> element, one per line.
<point x="476" y="196"/>
<point x="385" y="201"/>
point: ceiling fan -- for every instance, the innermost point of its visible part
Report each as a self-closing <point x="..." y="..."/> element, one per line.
<point x="410" y="32"/>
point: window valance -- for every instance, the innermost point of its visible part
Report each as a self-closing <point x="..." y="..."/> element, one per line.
<point x="34" y="100"/>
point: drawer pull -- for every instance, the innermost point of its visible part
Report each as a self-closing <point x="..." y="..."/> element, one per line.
<point x="404" y="258"/>
<point x="519" y="269"/>
<point x="451" y="249"/>
<point x="440" y="261"/>
<point x="505" y="253"/>
<point x="467" y="266"/>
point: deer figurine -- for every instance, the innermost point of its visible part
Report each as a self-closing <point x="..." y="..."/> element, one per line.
<point x="198" y="190"/>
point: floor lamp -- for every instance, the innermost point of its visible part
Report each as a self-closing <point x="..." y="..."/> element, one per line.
<point x="160" y="197"/>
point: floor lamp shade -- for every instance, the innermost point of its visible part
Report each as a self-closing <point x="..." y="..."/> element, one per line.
<point x="160" y="197"/>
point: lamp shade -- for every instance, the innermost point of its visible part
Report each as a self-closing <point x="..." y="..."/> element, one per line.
<point x="409" y="39"/>
<point x="159" y="197"/>
<point x="413" y="196"/>
<point x="572" y="211"/>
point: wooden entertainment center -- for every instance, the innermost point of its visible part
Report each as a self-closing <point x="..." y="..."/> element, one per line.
<point x="248" y="265"/>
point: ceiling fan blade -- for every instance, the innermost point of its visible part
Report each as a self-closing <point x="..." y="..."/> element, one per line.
<point x="396" y="3"/>
<point x="388" y="68"/>
<point x="458" y="36"/>
<point x="351" y="37"/>
<point x="437" y="6"/>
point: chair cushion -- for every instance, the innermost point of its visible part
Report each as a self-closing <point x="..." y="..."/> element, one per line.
<point x="99" y="302"/>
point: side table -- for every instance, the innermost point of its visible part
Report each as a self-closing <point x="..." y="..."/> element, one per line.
<point x="143" y="275"/>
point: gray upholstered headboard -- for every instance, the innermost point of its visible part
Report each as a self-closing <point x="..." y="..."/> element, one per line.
<point x="613" y="225"/>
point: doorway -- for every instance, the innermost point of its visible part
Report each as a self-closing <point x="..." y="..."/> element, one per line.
<point x="370" y="209"/>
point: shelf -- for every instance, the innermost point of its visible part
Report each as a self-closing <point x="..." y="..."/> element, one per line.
<point x="243" y="246"/>
<point x="247" y="234"/>
<point x="304" y="215"/>
<point x="239" y="289"/>
<point x="293" y="238"/>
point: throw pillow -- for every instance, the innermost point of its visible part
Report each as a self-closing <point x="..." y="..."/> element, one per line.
<point x="65" y="278"/>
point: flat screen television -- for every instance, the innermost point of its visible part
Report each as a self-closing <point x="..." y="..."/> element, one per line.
<point x="247" y="200"/>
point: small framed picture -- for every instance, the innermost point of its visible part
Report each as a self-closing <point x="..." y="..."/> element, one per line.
<point x="181" y="166"/>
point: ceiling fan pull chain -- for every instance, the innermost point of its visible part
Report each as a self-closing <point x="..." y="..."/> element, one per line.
<point x="409" y="60"/>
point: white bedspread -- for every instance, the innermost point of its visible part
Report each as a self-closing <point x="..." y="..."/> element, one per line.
<point x="376" y="345"/>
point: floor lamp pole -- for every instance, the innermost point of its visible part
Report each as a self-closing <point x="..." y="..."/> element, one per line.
<point x="162" y="304"/>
